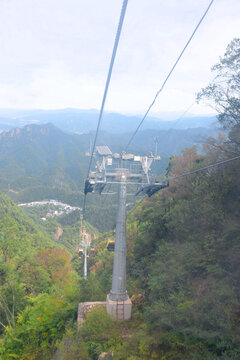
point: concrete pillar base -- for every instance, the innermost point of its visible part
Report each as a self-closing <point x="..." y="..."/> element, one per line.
<point x="119" y="310"/>
<point x="84" y="308"/>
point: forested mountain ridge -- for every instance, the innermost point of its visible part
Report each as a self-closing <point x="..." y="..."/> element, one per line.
<point x="40" y="162"/>
<point x="35" y="147"/>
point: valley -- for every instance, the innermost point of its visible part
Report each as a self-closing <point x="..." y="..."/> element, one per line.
<point x="51" y="208"/>
<point x="39" y="162"/>
<point x="171" y="257"/>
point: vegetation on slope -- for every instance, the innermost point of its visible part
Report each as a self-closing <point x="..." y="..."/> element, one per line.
<point x="39" y="162"/>
<point x="183" y="255"/>
<point x="183" y="258"/>
<point x="37" y="286"/>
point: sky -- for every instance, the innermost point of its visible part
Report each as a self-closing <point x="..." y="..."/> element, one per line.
<point x="55" y="53"/>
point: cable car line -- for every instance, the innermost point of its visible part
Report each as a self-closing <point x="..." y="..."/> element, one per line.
<point x="151" y="189"/>
<point x="182" y="115"/>
<point x="204" y="168"/>
<point x="123" y="11"/>
<point x="169" y="74"/>
<point x="119" y="29"/>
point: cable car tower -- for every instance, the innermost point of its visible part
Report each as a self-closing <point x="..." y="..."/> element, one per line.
<point x="121" y="169"/>
<point x="84" y="243"/>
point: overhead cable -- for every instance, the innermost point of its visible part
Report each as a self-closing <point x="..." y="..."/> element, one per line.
<point x="119" y="29"/>
<point x="175" y="123"/>
<point x="169" y="74"/>
<point x="204" y="168"/>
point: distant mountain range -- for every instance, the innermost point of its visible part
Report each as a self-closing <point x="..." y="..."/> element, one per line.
<point x="83" y="121"/>
<point x="42" y="151"/>
<point x="40" y="162"/>
<point x="30" y="149"/>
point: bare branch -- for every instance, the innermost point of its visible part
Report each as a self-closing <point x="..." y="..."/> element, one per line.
<point x="3" y="325"/>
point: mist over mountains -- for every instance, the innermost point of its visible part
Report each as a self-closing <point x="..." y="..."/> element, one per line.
<point x="83" y="121"/>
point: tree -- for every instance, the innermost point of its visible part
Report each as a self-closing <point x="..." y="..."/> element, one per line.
<point x="223" y="92"/>
<point x="38" y="328"/>
<point x="57" y="263"/>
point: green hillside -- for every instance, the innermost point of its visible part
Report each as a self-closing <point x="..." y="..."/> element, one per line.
<point x="35" y="274"/>
<point x="40" y="150"/>
<point x="183" y="256"/>
<point x="27" y="233"/>
<point x="184" y="251"/>
<point x="40" y="162"/>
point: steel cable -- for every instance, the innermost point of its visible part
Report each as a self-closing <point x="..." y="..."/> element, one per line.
<point x="169" y="74"/>
<point x="119" y="29"/>
<point x="204" y="168"/>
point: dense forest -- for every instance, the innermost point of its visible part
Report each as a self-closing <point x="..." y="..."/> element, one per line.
<point x="182" y="262"/>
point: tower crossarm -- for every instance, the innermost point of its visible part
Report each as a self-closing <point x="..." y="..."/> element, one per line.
<point x="151" y="189"/>
<point x="110" y="167"/>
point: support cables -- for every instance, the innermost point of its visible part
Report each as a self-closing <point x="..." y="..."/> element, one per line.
<point x="119" y="29"/>
<point x="203" y="168"/>
<point x="170" y="73"/>
<point x="182" y="115"/>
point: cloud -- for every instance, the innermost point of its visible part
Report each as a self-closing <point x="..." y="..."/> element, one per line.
<point x="56" y="53"/>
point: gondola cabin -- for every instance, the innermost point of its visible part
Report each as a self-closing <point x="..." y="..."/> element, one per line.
<point x="92" y="251"/>
<point x="111" y="245"/>
<point x="80" y="252"/>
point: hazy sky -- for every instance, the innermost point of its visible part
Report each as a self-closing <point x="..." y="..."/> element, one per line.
<point x="56" y="53"/>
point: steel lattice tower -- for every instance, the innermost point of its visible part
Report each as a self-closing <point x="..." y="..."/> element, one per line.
<point x="122" y="170"/>
<point x="118" y="292"/>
